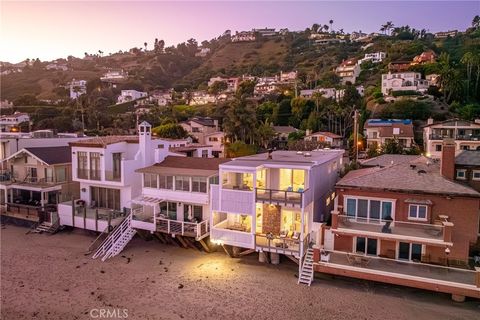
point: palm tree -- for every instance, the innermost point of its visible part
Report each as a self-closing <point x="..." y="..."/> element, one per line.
<point x="315" y="27"/>
<point x="331" y="24"/>
<point x="383" y="28"/>
<point x="145" y="44"/>
<point x="341" y="31"/>
<point x="468" y="60"/>
<point x="325" y="27"/>
<point x="387" y="27"/>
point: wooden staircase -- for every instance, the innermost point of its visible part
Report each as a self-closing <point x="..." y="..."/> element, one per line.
<point x="116" y="240"/>
<point x="46" y="227"/>
<point x="306" y="276"/>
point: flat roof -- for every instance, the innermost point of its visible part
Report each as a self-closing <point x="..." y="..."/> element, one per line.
<point x="287" y="158"/>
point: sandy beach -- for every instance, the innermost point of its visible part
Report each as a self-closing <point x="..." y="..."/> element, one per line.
<point x="50" y="277"/>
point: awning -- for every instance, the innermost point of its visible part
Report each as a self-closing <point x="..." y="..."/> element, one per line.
<point x="145" y="200"/>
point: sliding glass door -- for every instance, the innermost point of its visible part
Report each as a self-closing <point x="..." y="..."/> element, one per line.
<point x="410" y="251"/>
<point x="366" y="246"/>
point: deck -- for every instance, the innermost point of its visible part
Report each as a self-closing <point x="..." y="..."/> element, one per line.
<point x="455" y="281"/>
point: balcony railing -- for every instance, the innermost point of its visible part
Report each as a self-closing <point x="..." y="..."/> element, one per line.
<point x="279" y="196"/>
<point x="89" y="174"/>
<point x="113" y="175"/>
<point x="465" y="137"/>
<point x="190" y="229"/>
<point x="278" y="244"/>
<point x="392" y="228"/>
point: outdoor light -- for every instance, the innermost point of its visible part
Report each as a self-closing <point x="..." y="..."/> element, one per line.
<point x="447" y="250"/>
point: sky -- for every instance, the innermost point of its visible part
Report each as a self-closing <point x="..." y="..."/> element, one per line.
<point x="56" y="29"/>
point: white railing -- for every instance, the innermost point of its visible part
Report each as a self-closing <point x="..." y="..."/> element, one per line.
<point x="191" y="229"/>
<point x="115" y="236"/>
<point x="241" y="239"/>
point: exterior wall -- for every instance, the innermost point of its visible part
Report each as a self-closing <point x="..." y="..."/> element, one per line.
<point x="343" y="243"/>
<point x="462" y="212"/>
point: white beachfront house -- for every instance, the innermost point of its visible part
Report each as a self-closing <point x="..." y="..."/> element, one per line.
<point x="130" y="95"/>
<point x="77" y="88"/>
<point x="175" y="197"/>
<point x="403" y="81"/>
<point x="274" y="203"/>
<point x="105" y="168"/>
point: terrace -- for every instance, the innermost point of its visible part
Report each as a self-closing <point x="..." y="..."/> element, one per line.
<point x="431" y="277"/>
<point x="390" y="229"/>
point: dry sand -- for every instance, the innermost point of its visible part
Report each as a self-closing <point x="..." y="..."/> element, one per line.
<point x="49" y="277"/>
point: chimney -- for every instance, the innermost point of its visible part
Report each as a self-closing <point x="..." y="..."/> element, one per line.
<point x="308" y="132"/>
<point x="447" y="164"/>
<point x="215" y="123"/>
<point x="430" y="120"/>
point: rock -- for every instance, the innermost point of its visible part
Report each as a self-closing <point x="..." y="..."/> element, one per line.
<point x="77" y="267"/>
<point x="180" y="286"/>
<point x="101" y="271"/>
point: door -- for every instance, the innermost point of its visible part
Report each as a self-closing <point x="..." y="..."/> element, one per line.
<point x="328" y="240"/>
<point x="404" y="251"/>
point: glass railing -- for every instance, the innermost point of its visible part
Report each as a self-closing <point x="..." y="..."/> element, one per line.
<point x="407" y="229"/>
<point x="113" y="175"/>
<point x="284" y="196"/>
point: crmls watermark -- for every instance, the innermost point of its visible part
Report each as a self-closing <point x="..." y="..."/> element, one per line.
<point x="104" y="313"/>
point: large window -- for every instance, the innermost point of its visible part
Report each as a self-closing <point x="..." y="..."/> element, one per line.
<point x="292" y="180"/>
<point x="165" y="182"/>
<point x="417" y="212"/>
<point x="169" y="210"/>
<point x="117" y="165"/>
<point x="369" y="209"/>
<point x="199" y="184"/>
<point x="192" y="213"/>
<point x="476" y="175"/>
<point x="410" y="251"/>
<point x="237" y="181"/>
<point x="366" y="246"/>
<point x="150" y="180"/>
<point x="94" y="166"/>
<point x="182" y="183"/>
<point x="461" y="174"/>
<point x="82" y="165"/>
<point x="105" y="198"/>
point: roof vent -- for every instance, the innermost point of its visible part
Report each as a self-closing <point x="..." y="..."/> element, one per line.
<point x="307" y="154"/>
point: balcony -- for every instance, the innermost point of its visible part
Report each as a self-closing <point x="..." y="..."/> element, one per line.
<point x="279" y="244"/>
<point x="89" y="174"/>
<point x="392" y="229"/>
<point x="234" y="201"/>
<point x="231" y="234"/>
<point x="464" y="137"/>
<point x="115" y="176"/>
<point x="283" y="197"/>
<point x="190" y="229"/>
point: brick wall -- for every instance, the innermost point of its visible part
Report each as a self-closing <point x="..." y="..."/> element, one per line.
<point x="463" y="213"/>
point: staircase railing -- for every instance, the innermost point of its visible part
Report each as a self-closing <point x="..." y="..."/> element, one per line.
<point x="97" y="239"/>
<point x="113" y="237"/>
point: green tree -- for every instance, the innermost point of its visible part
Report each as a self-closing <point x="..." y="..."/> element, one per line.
<point x="392" y="146"/>
<point x="265" y="134"/>
<point x="240" y="121"/>
<point x="245" y="89"/>
<point x="170" y="131"/>
<point x="282" y="113"/>
<point x="217" y="88"/>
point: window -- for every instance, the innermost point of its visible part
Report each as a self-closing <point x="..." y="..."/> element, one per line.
<point x="94" y="165"/>
<point x="192" y="213"/>
<point x="410" y="251"/>
<point x="370" y="209"/>
<point x="168" y="210"/>
<point x="214" y="180"/>
<point x="213" y="139"/>
<point x="464" y="147"/>
<point x="461" y="174"/>
<point x="366" y="246"/>
<point x="165" y="182"/>
<point x="117" y="164"/>
<point x="417" y="212"/>
<point x="204" y="153"/>
<point x="476" y="175"/>
<point x="105" y="198"/>
<point x="182" y="183"/>
<point x="199" y="184"/>
<point x="82" y="165"/>
<point x="150" y="180"/>
<point x="438" y="147"/>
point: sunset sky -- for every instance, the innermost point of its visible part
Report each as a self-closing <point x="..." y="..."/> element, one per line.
<point x="50" y="30"/>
